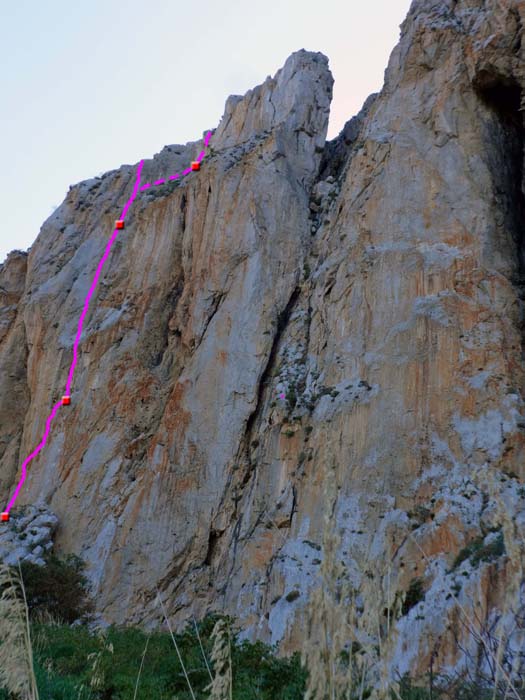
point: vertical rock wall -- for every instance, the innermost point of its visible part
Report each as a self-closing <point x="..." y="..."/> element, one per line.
<point x="296" y="306"/>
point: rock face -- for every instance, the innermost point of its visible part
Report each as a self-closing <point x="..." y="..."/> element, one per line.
<point x="296" y="306"/>
<point x="28" y="536"/>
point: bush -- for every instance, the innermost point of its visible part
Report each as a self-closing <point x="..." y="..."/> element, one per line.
<point x="476" y="551"/>
<point x="291" y="396"/>
<point x="64" y="670"/>
<point x="58" y="589"/>
<point x="415" y="595"/>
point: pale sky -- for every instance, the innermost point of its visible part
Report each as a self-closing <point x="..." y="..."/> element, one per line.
<point x="88" y="86"/>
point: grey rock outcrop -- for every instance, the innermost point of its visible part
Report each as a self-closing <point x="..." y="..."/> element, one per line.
<point x="28" y="536"/>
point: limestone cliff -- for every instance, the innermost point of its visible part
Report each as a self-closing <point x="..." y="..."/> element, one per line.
<point x="296" y="305"/>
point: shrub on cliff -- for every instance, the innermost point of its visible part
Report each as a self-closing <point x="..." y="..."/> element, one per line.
<point x="58" y="589"/>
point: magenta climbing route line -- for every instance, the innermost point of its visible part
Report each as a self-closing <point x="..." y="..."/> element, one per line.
<point x="96" y="278"/>
<point x="76" y="343"/>
<point x="176" y="176"/>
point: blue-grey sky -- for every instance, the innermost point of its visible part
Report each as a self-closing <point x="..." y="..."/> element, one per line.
<point x="88" y="86"/>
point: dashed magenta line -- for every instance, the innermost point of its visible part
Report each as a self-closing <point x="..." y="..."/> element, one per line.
<point x="176" y="176"/>
<point x="98" y="271"/>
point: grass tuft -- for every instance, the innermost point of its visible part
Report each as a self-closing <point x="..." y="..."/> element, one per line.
<point x="16" y="654"/>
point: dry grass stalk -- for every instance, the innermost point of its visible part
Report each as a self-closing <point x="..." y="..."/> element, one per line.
<point x="44" y="617"/>
<point x="331" y="609"/>
<point x="16" y="654"/>
<point x="348" y="640"/>
<point x="202" y="648"/>
<point x="140" y="668"/>
<point x="359" y="631"/>
<point x="472" y="628"/>
<point x="221" y="687"/>
<point x="98" y="676"/>
<point x="175" y="645"/>
<point x="515" y="552"/>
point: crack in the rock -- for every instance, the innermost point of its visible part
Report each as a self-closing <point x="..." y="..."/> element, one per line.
<point x="217" y="299"/>
<point x="282" y="322"/>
